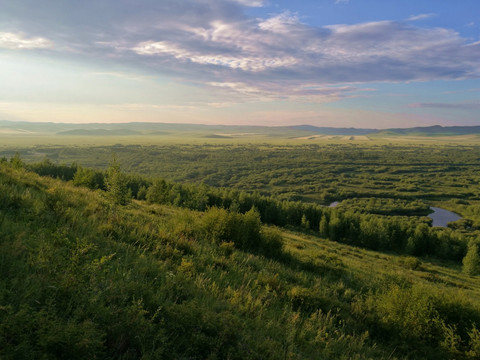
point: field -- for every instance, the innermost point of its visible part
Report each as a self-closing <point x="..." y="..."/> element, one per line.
<point x="225" y="248"/>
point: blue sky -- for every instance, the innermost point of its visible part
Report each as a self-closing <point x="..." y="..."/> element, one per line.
<point x="361" y="63"/>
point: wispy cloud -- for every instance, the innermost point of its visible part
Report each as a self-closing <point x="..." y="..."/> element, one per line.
<point x="281" y="23"/>
<point x="420" y="17"/>
<point x="253" y="63"/>
<point x="342" y="1"/>
<point x="251" y="3"/>
<point x="454" y="106"/>
<point x="16" y="41"/>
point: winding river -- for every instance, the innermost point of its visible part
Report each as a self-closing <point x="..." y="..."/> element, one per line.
<point x="442" y="217"/>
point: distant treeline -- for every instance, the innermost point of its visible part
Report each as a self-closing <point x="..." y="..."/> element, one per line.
<point x="402" y="234"/>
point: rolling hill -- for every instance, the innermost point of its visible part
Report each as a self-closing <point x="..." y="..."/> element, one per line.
<point x="84" y="277"/>
<point x="219" y="131"/>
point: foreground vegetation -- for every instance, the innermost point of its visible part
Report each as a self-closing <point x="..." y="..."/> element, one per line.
<point x="87" y="272"/>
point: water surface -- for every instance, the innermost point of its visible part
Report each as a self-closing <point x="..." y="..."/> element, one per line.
<point x="442" y="217"/>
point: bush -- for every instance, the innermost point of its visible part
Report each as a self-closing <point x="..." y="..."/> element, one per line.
<point x="243" y="230"/>
<point x="227" y="248"/>
<point x="410" y="262"/>
<point x="271" y="243"/>
<point x="410" y="313"/>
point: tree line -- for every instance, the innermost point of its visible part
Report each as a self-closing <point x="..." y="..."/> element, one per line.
<point x="401" y="234"/>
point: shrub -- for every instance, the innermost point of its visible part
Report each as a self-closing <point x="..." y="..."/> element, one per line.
<point x="474" y="343"/>
<point x="410" y="262"/>
<point x="243" y="230"/>
<point x="271" y="243"/>
<point x="227" y="248"/>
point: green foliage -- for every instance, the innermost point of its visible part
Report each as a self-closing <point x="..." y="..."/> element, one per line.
<point x="89" y="178"/>
<point x="304" y="222"/>
<point x="323" y="227"/>
<point x="394" y="233"/>
<point x="416" y="314"/>
<point x="158" y="192"/>
<point x="142" y="193"/>
<point x="307" y="299"/>
<point x="16" y="161"/>
<point x="116" y="184"/>
<point x="411" y="313"/>
<point x="410" y="262"/>
<point x="48" y="168"/>
<point x="474" y="343"/>
<point x="221" y="226"/>
<point x="388" y="206"/>
<point x="471" y="261"/>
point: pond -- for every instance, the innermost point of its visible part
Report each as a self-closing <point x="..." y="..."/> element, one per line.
<point x="442" y="217"/>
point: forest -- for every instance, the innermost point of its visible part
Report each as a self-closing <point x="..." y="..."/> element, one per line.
<point x="103" y="260"/>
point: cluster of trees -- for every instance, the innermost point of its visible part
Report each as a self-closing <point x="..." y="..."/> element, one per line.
<point x="386" y="206"/>
<point x="399" y="234"/>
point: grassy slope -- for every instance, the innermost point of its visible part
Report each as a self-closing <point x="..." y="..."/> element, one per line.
<point x="81" y="278"/>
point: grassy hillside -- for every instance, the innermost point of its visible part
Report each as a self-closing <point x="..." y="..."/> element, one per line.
<point x="82" y="277"/>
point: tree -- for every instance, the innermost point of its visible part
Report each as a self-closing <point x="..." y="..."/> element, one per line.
<point x="323" y="227"/>
<point x="116" y="183"/>
<point x="418" y="243"/>
<point x="85" y="177"/>
<point x="335" y="227"/>
<point x="16" y="161"/>
<point x="304" y="222"/>
<point x="158" y="192"/>
<point x="471" y="261"/>
<point x="142" y="193"/>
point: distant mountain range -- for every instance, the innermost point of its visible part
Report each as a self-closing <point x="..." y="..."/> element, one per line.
<point x="436" y="130"/>
<point x="424" y="131"/>
<point x="215" y="131"/>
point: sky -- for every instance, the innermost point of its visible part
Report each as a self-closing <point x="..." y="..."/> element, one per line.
<point x="342" y="63"/>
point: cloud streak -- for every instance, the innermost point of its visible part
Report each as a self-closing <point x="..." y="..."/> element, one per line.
<point x="15" y="41"/>
<point x="453" y="106"/>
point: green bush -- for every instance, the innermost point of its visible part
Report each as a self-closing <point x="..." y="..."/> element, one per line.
<point x="410" y="262"/>
<point x="243" y="230"/>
